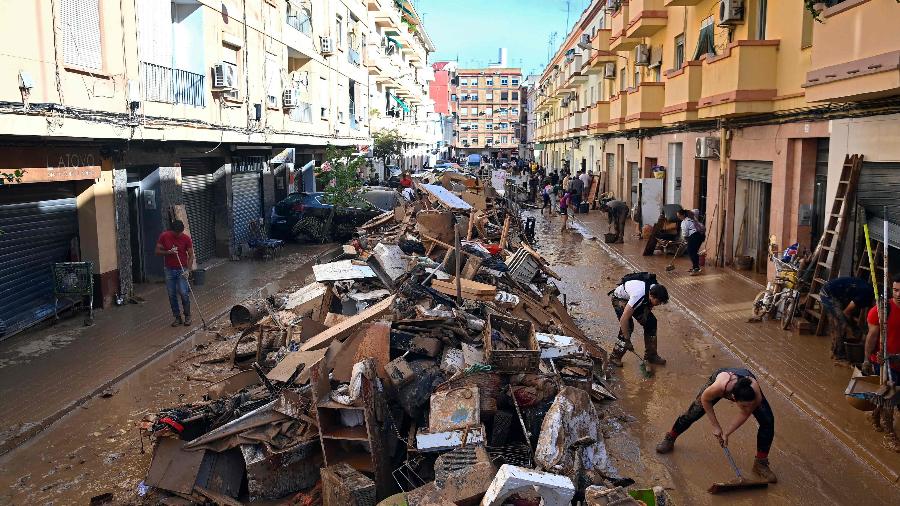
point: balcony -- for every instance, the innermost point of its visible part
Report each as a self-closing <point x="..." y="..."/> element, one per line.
<point x="683" y="88"/>
<point x="733" y="83"/>
<point x="297" y="35"/>
<point x="600" y="54"/>
<point x="374" y="59"/>
<point x="645" y="105"/>
<point x="599" y="118"/>
<point x="173" y="86"/>
<point x="619" y="41"/>
<point x="647" y="18"/>
<point x="856" y="55"/>
<point x="680" y="3"/>
<point x="618" y="110"/>
<point x="386" y="15"/>
<point x="574" y="77"/>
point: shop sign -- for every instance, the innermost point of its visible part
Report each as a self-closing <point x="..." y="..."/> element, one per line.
<point x="51" y="165"/>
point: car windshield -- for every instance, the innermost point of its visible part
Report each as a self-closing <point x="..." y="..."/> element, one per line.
<point x="383" y="200"/>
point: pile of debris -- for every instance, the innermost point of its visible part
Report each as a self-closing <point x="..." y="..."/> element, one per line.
<point x="431" y="362"/>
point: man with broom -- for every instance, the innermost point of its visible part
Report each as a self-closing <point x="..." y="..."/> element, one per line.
<point x="739" y="386"/>
<point x="634" y="299"/>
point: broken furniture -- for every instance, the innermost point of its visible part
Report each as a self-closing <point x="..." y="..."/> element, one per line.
<point x="510" y="344"/>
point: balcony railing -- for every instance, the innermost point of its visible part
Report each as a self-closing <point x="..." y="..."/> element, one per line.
<point x="173" y="86"/>
<point x="353" y="57"/>
<point x="300" y="22"/>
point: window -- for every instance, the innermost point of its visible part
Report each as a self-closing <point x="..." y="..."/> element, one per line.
<point x="474" y="111"/>
<point x="489" y="126"/>
<point x="503" y="139"/>
<point x="474" y="141"/>
<point x="80" y="20"/>
<point x="679" y="52"/>
<point x="761" y="8"/>
<point x="806" y="35"/>
<point x="299" y="18"/>
<point x="637" y="77"/>
<point x="514" y="110"/>
<point x="323" y="97"/>
<point x="515" y="95"/>
<point x="504" y="95"/>
<point x="489" y="111"/>
<point x="489" y="97"/>
<point x="622" y="82"/>
<point x="489" y="81"/>
<point x="657" y="74"/>
<point x="339" y="32"/>
<point x="463" y="82"/>
<point x="515" y="81"/>
<point x="706" y="42"/>
<point x="454" y="98"/>
<point x="463" y="111"/>
<point x="504" y="126"/>
<point x="504" y="81"/>
<point x="474" y="97"/>
<point x="273" y="82"/>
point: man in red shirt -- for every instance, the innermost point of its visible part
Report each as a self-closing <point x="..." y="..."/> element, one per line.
<point x="177" y="251"/>
<point x="405" y="180"/>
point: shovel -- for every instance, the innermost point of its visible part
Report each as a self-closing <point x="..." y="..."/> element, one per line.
<point x="740" y="483"/>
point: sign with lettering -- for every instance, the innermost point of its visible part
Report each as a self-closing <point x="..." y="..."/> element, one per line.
<point x="51" y="164"/>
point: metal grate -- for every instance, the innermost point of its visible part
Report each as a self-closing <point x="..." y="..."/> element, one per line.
<point x="173" y="86"/>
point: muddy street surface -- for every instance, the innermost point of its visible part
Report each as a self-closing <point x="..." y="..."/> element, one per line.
<point x="813" y="467"/>
<point x="96" y="448"/>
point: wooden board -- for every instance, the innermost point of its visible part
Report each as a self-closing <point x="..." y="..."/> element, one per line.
<point x="472" y="290"/>
<point x="445" y="197"/>
<point x="346" y="327"/>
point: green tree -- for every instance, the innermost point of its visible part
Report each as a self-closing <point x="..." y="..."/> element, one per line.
<point x="340" y="174"/>
<point x="387" y="144"/>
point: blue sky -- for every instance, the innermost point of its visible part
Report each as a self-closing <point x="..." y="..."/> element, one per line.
<point x="474" y="30"/>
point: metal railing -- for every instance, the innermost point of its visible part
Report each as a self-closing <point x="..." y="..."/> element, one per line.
<point x="173" y="86"/>
<point x="300" y="22"/>
<point x="353" y="56"/>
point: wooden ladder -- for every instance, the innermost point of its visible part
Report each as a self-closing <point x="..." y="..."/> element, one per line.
<point x="828" y="253"/>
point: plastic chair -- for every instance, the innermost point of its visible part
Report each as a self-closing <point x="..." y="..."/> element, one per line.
<point x="260" y="244"/>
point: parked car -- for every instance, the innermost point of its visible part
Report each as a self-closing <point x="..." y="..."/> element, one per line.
<point x="303" y="216"/>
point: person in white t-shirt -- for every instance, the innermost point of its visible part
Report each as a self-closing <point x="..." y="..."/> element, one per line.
<point x="633" y="301"/>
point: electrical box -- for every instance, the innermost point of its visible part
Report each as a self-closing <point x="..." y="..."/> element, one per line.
<point x="327" y="46"/>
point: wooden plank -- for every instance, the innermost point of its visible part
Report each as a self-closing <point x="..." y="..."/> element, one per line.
<point x="346" y="327"/>
<point x="504" y="233"/>
<point x="445" y="197"/>
<point x="471" y="290"/>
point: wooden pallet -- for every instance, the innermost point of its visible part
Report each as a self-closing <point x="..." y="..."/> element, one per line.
<point x="827" y="256"/>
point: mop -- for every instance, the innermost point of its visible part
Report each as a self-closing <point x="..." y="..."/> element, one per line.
<point x="191" y="290"/>
<point x="740" y="483"/>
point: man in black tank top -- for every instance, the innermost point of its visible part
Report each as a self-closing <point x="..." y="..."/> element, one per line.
<point x="737" y="385"/>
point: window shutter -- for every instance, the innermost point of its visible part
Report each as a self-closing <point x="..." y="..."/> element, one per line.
<point x="81" y="33"/>
<point x="155" y="32"/>
<point x="273" y="81"/>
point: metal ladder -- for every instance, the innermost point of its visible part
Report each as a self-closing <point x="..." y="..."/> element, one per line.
<point x="828" y="252"/>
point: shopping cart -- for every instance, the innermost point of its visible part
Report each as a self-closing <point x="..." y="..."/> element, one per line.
<point x="74" y="281"/>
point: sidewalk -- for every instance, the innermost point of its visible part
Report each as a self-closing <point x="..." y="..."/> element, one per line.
<point x="798" y="365"/>
<point x="47" y="372"/>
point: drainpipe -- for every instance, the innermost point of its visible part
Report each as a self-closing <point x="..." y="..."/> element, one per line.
<point x="724" y="161"/>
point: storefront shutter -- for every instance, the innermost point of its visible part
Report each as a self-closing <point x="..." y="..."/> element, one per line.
<point x="38" y="228"/>
<point x="246" y="204"/>
<point x="80" y="20"/>
<point x="199" y="203"/>
<point x="755" y="171"/>
<point x="879" y="185"/>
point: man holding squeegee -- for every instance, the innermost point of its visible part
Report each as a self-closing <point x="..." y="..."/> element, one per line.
<point x="739" y="386"/>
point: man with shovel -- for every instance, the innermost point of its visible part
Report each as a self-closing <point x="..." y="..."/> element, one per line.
<point x="177" y="251"/>
<point x="739" y="386"/>
<point x="634" y="299"/>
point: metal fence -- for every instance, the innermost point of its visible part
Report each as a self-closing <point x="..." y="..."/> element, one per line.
<point x="173" y="86"/>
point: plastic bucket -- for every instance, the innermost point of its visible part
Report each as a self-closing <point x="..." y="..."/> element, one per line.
<point x="198" y="277"/>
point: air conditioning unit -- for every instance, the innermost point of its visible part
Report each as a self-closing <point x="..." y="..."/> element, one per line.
<point x="613" y="5"/>
<point x="290" y="98"/>
<point x="224" y="76"/>
<point x="609" y="71"/>
<point x="707" y="148"/>
<point x="327" y="46"/>
<point x="731" y="12"/>
<point x="642" y="55"/>
<point x="585" y="42"/>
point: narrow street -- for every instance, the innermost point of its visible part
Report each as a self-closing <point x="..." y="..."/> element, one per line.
<point x="96" y="448"/>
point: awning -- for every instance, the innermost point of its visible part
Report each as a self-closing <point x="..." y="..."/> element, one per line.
<point x="401" y="102"/>
<point x="402" y="6"/>
<point x="394" y="41"/>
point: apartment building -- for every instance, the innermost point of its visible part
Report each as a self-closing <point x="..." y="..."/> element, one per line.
<point x="439" y="91"/>
<point x="747" y="106"/>
<point x="527" y="120"/>
<point x="488" y="107"/>
<point x="119" y="111"/>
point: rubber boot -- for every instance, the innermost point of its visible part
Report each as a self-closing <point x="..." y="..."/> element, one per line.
<point x="178" y="321"/>
<point x="761" y="468"/>
<point x="666" y="445"/>
<point x="622" y="346"/>
<point x="650" y="354"/>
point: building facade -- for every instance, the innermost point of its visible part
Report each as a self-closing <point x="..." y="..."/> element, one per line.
<point x="747" y="107"/>
<point x="444" y="73"/>
<point x="488" y="112"/>
<point x="527" y="120"/>
<point x="125" y="114"/>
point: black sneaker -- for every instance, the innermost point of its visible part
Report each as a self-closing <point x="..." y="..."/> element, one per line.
<point x="178" y="322"/>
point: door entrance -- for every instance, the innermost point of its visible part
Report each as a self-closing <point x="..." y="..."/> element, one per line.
<point x="673" y="174"/>
<point x="702" y="188"/>
<point x="753" y="197"/>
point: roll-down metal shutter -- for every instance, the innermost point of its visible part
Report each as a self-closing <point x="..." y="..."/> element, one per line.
<point x="199" y="203"/>
<point x="246" y="204"/>
<point x="879" y="185"/>
<point x="37" y="231"/>
<point x="755" y="171"/>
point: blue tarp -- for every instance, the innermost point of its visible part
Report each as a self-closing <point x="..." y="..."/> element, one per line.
<point x="474" y="160"/>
